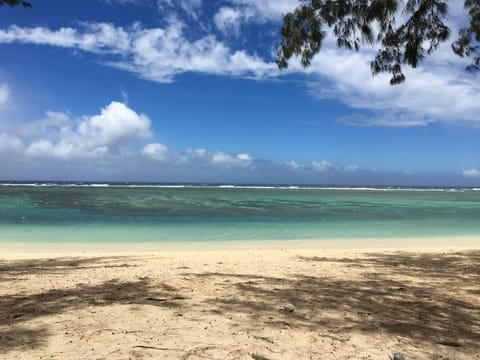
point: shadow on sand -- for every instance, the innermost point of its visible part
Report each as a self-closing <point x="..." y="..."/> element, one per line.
<point x="421" y="298"/>
<point x="17" y="310"/>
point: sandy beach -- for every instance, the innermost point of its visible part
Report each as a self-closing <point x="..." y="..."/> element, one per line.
<point x="275" y="301"/>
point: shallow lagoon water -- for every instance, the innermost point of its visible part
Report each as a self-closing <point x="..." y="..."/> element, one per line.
<point x="75" y="214"/>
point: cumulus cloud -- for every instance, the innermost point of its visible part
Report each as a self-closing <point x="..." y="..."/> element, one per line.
<point x="115" y="125"/>
<point x="10" y="144"/>
<point x="292" y="164"/>
<point x="50" y="125"/>
<point x="197" y="157"/>
<point x="63" y="149"/>
<point x="98" y="135"/>
<point x="471" y="173"/>
<point x="109" y="135"/>
<point x="155" y="151"/>
<point x="352" y="168"/>
<point x="323" y="166"/>
<point x="320" y="166"/>
<point x="96" y="153"/>
<point x="198" y="153"/>
<point x="227" y="159"/>
<point x="219" y="158"/>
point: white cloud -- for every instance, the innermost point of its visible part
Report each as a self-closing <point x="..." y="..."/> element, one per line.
<point x="471" y="173"/>
<point x="292" y="164"/>
<point x="156" y="54"/>
<point x="96" y="37"/>
<point x="267" y="9"/>
<point x="160" y="54"/>
<point x="218" y="158"/>
<point x="156" y="151"/>
<point x="244" y="157"/>
<point x="221" y="158"/>
<point x="228" y="20"/>
<point x="115" y="125"/>
<point x="438" y="91"/>
<point x="10" y="144"/>
<point x="197" y="157"/>
<point x="201" y="153"/>
<point x="52" y="124"/>
<point x="352" y="168"/>
<point x="323" y="166"/>
<point x="45" y="148"/>
<point x="98" y="135"/>
<point x="224" y="160"/>
<point x="320" y="166"/>
<point x="5" y="96"/>
<point x="433" y="92"/>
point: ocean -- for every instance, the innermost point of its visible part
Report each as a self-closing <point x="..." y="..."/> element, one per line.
<point x="128" y="213"/>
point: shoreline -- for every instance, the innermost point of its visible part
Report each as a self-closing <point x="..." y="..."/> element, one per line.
<point x="10" y="250"/>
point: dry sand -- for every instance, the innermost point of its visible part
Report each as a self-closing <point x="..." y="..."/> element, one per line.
<point x="233" y="303"/>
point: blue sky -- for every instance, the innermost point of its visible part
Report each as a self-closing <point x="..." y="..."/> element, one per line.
<point x="187" y="91"/>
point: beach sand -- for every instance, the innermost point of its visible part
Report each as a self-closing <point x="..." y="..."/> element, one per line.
<point x="255" y="301"/>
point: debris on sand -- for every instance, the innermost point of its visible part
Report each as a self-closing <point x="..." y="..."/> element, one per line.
<point x="396" y="356"/>
<point x="288" y="308"/>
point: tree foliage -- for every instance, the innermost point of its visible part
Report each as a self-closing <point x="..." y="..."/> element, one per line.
<point x="355" y="23"/>
<point x="16" y="2"/>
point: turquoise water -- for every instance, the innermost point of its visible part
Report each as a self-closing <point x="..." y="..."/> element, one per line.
<point x="159" y="214"/>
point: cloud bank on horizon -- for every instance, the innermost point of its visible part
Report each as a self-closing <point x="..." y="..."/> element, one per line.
<point x="118" y="134"/>
<point x="195" y="38"/>
<point x="118" y="137"/>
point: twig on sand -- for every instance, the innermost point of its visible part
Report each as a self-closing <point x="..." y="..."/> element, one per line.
<point x="174" y="297"/>
<point x="449" y="343"/>
<point x="264" y="338"/>
<point x="156" y="348"/>
<point x="157" y="299"/>
<point x="259" y="357"/>
<point x="197" y="350"/>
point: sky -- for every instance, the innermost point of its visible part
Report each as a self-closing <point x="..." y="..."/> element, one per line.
<point x="188" y="91"/>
